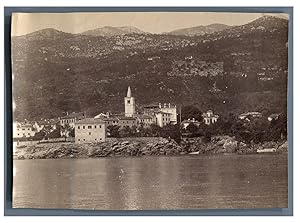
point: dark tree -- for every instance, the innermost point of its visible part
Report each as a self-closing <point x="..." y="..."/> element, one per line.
<point x="193" y="129"/>
<point x="189" y="112"/>
<point x="171" y="131"/>
<point x="55" y="134"/>
<point x="114" y="131"/>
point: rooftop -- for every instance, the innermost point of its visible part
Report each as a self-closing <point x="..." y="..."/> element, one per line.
<point x="151" y="106"/>
<point x="161" y="112"/>
<point x="90" y="121"/>
<point x="141" y="116"/>
<point x="126" y="118"/>
<point x="24" y="125"/>
<point x="73" y="115"/>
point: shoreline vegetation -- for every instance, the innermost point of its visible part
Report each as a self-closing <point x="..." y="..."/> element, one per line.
<point x="144" y="146"/>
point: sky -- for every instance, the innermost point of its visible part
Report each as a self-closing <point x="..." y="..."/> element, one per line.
<point x="153" y="22"/>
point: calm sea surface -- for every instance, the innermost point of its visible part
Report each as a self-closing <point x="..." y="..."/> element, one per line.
<point x="185" y="182"/>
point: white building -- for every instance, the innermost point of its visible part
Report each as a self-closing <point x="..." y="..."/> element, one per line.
<point x="23" y="130"/>
<point x="162" y="118"/>
<point x="209" y="117"/>
<point x="187" y="122"/>
<point x="247" y="115"/>
<point x="171" y="109"/>
<point x="90" y="130"/>
<point x="273" y="117"/>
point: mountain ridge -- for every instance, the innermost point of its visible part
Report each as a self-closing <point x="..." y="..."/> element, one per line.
<point x="200" y="30"/>
<point x="112" y="31"/>
<point x="92" y="73"/>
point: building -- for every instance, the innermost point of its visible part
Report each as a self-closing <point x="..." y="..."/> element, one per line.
<point x="162" y="118"/>
<point x="103" y="115"/>
<point x="209" y="117"/>
<point x="90" y="130"/>
<point x="47" y="123"/>
<point x="273" y="117"/>
<point x="23" y="130"/>
<point x="129" y="104"/>
<point x="126" y="122"/>
<point x="248" y="115"/>
<point x="71" y="118"/>
<point x="186" y="123"/>
<point x="171" y="109"/>
<point x="144" y="120"/>
<point x="111" y="121"/>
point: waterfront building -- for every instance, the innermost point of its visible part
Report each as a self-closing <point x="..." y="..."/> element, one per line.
<point x="90" y="130"/>
<point x="23" y="130"/>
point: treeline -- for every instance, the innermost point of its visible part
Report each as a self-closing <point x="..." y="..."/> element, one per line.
<point x="256" y="130"/>
<point x="250" y="130"/>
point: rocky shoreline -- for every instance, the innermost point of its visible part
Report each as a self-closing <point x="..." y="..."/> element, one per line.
<point x="142" y="147"/>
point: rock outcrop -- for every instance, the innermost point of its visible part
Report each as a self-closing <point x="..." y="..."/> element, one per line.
<point x="141" y="147"/>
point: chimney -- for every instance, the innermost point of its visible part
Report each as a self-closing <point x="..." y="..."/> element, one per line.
<point x="159" y="104"/>
<point x="169" y="105"/>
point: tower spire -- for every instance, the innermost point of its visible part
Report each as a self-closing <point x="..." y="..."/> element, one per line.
<point x="129" y="92"/>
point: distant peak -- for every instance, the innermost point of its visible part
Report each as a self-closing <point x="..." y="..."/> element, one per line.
<point x="112" y="31"/>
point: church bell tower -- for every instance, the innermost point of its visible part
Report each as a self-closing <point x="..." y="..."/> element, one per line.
<point x="129" y="104"/>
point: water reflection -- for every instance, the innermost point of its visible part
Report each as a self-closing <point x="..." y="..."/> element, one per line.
<point x="152" y="182"/>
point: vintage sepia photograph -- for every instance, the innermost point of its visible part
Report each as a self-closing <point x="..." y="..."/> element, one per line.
<point x="150" y="110"/>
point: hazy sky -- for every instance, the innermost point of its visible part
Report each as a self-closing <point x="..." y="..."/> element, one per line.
<point x="154" y="22"/>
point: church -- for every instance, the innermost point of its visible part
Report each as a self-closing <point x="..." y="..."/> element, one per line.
<point x="157" y="114"/>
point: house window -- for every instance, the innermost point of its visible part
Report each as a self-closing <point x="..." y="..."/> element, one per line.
<point x="23" y="129"/>
<point x="18" y="134"/>
<point x="100" y="139"/>
<point x="95" y="126"/>
<point x="83" y="127"/>
<point x="28" y="128"/>
<point x="90" y="133"/>
<point x="128" y="101"/>
<point x="83" y="139"/>
<point x="78" y="139"/>
<point x="29" y="134"/>
<point x="100" y="126"/>
<point x="95" y="139"/>
<point x="78" y="127"/>
<point x="89" y="127"/>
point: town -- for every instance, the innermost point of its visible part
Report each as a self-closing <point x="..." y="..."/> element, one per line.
<point x="154" y="120"/>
